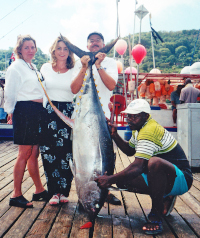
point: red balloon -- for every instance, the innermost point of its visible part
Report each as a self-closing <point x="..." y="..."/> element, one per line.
<point x="138" y="53"/>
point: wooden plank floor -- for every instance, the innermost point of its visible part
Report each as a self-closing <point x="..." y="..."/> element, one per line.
<point x="113" y="221"/>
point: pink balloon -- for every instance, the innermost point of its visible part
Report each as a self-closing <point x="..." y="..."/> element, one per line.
<point x="121" y="46"/>
<point x="127" y="71"/>
<point x="138" y="53"/>
<point x="119" y="66"/>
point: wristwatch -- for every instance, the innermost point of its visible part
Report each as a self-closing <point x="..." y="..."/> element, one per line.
<point x="100" y="68"/>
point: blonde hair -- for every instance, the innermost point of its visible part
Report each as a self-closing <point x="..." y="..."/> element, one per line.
<point x="20" y="41"/>
<point x="70" y="59"/>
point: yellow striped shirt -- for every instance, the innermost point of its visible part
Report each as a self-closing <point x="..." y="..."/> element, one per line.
<point x="151" y="140"/>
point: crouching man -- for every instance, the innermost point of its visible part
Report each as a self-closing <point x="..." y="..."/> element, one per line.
<point x="160" y="168"/>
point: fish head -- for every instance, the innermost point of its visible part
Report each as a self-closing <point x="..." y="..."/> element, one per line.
<point x="92" y="198"/>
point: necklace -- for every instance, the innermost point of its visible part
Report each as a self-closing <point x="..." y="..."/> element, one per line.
<point x="58" y="71"/>
<point x="32" y="68"/>
<point x="35" y="70"/>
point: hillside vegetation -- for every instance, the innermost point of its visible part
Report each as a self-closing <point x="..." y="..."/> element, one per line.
<point x="39" y="60"/>
<point x="170" y="57"/>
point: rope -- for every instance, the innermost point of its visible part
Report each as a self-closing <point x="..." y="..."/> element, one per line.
<point x="15" y="27"/>
<point x="13" y="10"/>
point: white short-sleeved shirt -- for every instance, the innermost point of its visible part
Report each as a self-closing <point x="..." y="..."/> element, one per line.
<point x="21" y="84"/>
<point x="57" y="85"/>
<point x="110" y="67"/>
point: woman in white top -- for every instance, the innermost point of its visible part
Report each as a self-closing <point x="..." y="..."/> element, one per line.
<point x="23" y="103"/>
<point x="56" y="149"/>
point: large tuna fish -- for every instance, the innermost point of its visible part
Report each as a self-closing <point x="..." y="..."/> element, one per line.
<point x="92" y="144"/>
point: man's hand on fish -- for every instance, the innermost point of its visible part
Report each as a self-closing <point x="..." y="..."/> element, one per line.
<point x="112" y="128"/>
<point x="84" y="61"/>
<point x="104" y="181"/>
<point x="100" y="57"/>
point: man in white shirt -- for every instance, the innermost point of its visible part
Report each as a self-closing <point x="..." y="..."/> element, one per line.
<point x="104" y="70"/>
<point x="105" y="75"/>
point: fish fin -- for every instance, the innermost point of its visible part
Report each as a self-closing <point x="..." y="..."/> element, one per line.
<point x="71" y="164"/>
<point x="67" y="120"/>
<point x="80" y="53"/>
<point x="112" y="188"/>
<point x="86" y="225"/>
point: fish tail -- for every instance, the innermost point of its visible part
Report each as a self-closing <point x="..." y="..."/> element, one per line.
<point x="108" y="47"/>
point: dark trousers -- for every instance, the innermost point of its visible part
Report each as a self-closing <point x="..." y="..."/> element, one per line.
<point x="56" y="149"/>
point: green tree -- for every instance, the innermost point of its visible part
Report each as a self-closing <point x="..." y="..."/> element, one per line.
<point x="180" y="49"/>
<point x="165" y="52"/>
<point x="171" y="60"/>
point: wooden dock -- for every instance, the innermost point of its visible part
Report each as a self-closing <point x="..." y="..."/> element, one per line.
<point x="113" y="221"/>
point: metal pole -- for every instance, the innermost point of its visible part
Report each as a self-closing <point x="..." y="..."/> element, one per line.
<point x="117" y="24"/>
<point x="130" y="57"/>
<point x="140" y="31"/>
<point x="124" y="79"/>
<point x="137" y="81"/>
<point x="5" y="59"/>
<point x="154" y="65"/>
<point x="138" y="64"/>
<point x="134" y="26"/>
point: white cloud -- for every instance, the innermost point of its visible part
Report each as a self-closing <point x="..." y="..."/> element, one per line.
<point x="89" y="17"/>
<point x="83" y="17"/>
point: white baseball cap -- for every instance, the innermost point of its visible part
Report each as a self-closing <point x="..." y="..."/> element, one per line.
<point x="138" y="106"/>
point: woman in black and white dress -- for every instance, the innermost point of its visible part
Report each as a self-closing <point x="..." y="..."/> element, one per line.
<point x="56" y="148"/>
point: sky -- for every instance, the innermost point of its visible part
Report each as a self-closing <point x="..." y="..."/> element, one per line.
<point x="44" y="20"/>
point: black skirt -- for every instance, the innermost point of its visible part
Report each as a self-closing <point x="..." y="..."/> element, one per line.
<point x="26" y="122"/>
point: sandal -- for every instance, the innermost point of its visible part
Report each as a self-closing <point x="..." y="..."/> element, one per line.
<point x="43" y="196"/>
<point x="20" y="201"/>
<point x="170" y="200"/>
<point x="63" y="199"/>
<point x="157" y="225"/>
<point x="55" y="200"/>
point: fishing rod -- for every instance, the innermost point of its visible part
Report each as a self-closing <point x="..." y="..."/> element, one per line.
<point x="13" y="10"/>
<point x="15" y="27"/>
